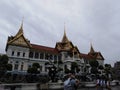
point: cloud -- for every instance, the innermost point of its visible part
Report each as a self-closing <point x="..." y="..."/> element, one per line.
<point x="95" y="21"/>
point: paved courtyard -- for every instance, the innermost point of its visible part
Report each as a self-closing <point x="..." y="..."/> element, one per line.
<point x="33" y="87"/>
<point x="113" y="88"/>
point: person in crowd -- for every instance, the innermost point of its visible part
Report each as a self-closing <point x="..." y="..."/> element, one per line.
<point x="99" y="83"/>
<point x="108" y="85"/>
<point x="71" y="83"/>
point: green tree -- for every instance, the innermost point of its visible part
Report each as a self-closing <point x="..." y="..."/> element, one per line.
<point x="55" y="62"/>
<point x="4" y="59"/>
<point x="94" y="70"/>
<point x="94" y="65"/>
<point x="60" y="62"/>
<point x="108" y="70"/>
<point x="100" y="67"/>
<point x="35" y="69"/>
<point x="37" y="65"/>
<point x="66" y="69"/>
<point x="74" y="67"/>
<point x="3" y="63"/>
<point x="9" y="67"/>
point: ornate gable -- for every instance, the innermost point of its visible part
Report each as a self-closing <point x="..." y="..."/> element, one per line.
<point x="76" y="52"/>
<point x="99" y="56"/>
<point x="19" y="39"/>
<point x="96" y="55"/>
<point x="64" y="46"/>
<point x="67" y="46"/>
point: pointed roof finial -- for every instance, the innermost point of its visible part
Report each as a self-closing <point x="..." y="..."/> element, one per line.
<point x="22" y="22"/>
<point x="21" y="29"/>
<point x="65" y="39"/>
<point x="91" y="48"/>
<point x="64" y="28"/>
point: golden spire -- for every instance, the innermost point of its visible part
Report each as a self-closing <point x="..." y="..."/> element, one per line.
<point x="92" y="49"/>
<point x="22" y="24"/>
<point x="65" y="39"/>
<point x="64" y="28"/>
<point x="20" y="30"/>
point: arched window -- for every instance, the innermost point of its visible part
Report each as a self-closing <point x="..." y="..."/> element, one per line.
<point x="55" y="57"/>
<point x="18" y="54"/>
<point x="22" y="64"/>
<point x="12" y="53"/>
<point x="46" y="56"/>
<point x="24" y="54"/>
<point x="36" y="55"/>
<point x="41" y="55"/>
<point x="16" y="65"/>
<point x="31" y="55"/>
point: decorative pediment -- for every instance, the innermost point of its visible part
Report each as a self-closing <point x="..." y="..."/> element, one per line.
<point x="58" y="47"/>
<point x="99" y="56"/>
<point x="76" y="49"/>
<point x="64" y="46"/>
<point x="20" y="41"/>
<point x="67" y="46"/>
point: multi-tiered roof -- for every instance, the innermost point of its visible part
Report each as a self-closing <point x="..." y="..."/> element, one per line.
<point x="64" y="46"/>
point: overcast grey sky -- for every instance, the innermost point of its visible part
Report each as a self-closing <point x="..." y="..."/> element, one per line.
<point x="96" y="21"/>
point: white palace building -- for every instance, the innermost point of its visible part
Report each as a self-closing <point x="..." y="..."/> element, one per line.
<point x="22" y="53"/>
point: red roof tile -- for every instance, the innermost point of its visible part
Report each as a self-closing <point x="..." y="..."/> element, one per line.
<point x="86" y="56"/>
<point x="44" y="48"/>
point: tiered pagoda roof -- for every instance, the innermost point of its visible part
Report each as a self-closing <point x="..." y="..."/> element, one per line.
<point x="96" y="55"/>
<point x="65" y="45"/>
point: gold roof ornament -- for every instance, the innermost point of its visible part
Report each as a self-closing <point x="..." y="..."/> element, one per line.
<point x="92" y="49"/>
<point x="20" y="32"/>
<point x="65" y="39"/>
